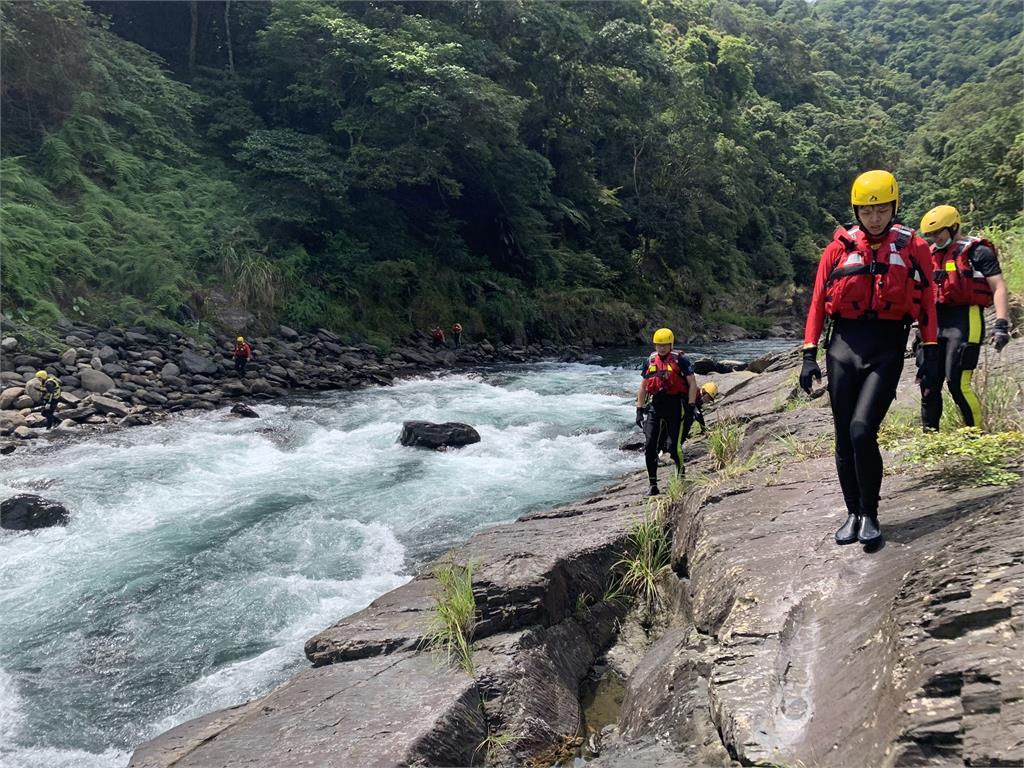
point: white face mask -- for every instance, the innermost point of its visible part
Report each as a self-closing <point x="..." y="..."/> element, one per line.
<point x="944" y="244"/>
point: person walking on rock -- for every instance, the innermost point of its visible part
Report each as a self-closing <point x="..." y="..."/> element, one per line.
<point x="873" y="281"/>
<point x="967" y="278"/>
<point x="241" y="355"/>
<point x="667" y="390"/>
<point x="50" y="387"/>
<point x="457" y="334"/>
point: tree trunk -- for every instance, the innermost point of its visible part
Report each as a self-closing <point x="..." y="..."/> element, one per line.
<point x="227" y="34"/>
<point x="193" y="7"/>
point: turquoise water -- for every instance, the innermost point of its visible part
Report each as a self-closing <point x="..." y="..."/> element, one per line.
<point x="202" y="553"/>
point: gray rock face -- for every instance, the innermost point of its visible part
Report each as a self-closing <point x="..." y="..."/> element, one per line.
<point x="287" y="333"/>
<point x="8" y="344"/>
<point x="109" y="405"/>
<point x="425" y="434"/>
<point x="193" y="362"/>
<point x="95" y="381"/>
<point x="27" y="512"/>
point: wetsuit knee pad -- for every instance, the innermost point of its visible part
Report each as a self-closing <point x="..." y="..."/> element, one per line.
<point x="967" y="356"/>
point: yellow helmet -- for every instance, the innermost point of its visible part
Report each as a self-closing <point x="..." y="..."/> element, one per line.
<point x="875" y="187"/>
<point x="940" y="217"/>
<point x="240" y="339"/>
<point x="664" y="336"/>
<point x="42" y="375"/>
<point x="710" y="389"/>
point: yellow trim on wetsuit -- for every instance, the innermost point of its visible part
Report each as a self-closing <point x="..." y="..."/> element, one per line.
<point x="973" y="337"/>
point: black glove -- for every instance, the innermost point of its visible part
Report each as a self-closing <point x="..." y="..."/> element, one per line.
<point x="640" y="417"/>
<point x="810" y="369"/>
<point x="688" y="410"/>
<point x="928" y="371"/>
<point x="1001" y="334"/>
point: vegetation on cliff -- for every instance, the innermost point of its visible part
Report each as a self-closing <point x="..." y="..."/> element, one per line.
<point x="535" y="170"/>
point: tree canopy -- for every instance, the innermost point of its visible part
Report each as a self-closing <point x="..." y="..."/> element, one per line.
<point x="532" y="169"/>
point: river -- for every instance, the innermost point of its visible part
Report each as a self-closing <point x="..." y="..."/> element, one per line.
<point x="204" y="551"/>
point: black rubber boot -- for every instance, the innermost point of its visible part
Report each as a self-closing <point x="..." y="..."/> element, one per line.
<point x="868" y="531"/>
<point x="654" y="490"/>
<point x="848" y="533"/>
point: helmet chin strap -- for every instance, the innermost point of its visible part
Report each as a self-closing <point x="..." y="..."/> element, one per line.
<point x="881" y="235"/>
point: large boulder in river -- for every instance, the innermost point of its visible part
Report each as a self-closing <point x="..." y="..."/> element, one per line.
<point x="426" y="434"/>
<point x="27" y="512"/>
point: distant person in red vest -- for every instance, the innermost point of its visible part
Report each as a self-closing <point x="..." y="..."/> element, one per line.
<point x="671" y="387"/>
<point x="457" y="334"/>
<point x="438" y="335"/>
<point x="241" y="355"/>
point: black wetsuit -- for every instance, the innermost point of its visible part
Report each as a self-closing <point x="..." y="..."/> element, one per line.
<point x="662" y="431"/>
<point x="961" y="332"/>
<point x="864" y="362"/>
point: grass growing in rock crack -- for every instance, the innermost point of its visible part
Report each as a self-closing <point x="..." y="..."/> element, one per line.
<point x="967" y="456"/>
<point x="648" y="557"/>
<point x="450" y="633"/>
<point x="495" y="745"/>
<point x="724" y="439"/>
<point x="805" y="449"/>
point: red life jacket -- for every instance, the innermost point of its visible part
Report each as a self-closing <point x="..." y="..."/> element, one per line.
<point x="956" y="280"/>
<point x="665" y="374"/>
<point x="886" y="283"/>
<point x="456" y="328"/>
<point x="243" y="350"/>
<point x="438" y="334"/>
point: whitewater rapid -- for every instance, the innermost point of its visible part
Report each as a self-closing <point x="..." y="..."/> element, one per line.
<point x="203" y="552"/>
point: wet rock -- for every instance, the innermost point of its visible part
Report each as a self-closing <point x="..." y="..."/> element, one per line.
<point x="27" y="512"/>
<point x="635" y="442"/>
<point x="135" y="420"/>
<point x="24" y="401"/>
<point x="95" y="381"/>
<point x="426" y="434"/>
<point x="8" y="344"/>
<point x="170" y="369"/>
<point x="24" y="432"/>
<point x="244" y="411"/>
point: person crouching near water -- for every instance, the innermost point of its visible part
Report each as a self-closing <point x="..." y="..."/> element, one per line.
<point x="670" y="387"/>
<point x="873" y="281"/>
<point x="49" y="386"/>
<point x="241" y="355"/>
<point x="708" y="393"/>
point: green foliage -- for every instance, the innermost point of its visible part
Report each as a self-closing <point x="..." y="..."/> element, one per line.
<point x="967" y="455"/>
<point x="647" y="560"/>
<point x="450" y="633"/>
<point x="534" y="171"/>
<point x="724" y="439"/>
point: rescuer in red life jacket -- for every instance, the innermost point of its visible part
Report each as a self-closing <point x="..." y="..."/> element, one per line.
<point x="457" y="334"/>
<point x="967" y="278"/>
<point x="438" y="336"/>
<point x="241" y="355"/>
<point x="873" y="281"/>
<point x="669" y="383"/>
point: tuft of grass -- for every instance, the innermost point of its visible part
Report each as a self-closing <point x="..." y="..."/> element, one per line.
<point x="724" y="439"/>
<point x="582" y="609"/>
<point x="967" y="456"/>
<point x="496" y="745"/>
<point x="1001" y="396"/>
<point x="802" y="450"/>
<point x="648" y="558"/>
<point x="450" y="633"/>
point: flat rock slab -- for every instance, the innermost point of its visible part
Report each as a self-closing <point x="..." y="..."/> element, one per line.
<point x="391" y="711"/>
<point x="527" y="572"/>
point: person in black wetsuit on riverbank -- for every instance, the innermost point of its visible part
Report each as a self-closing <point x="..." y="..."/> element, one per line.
<point x="670" y="385"/>
<point x="873" y="281"/>
<point x="967" y="278"/>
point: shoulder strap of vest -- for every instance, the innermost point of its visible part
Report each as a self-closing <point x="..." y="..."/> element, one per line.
<point x="903" y="236"/>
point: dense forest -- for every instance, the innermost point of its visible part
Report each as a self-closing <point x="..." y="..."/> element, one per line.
<point x="532" y="169"/>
